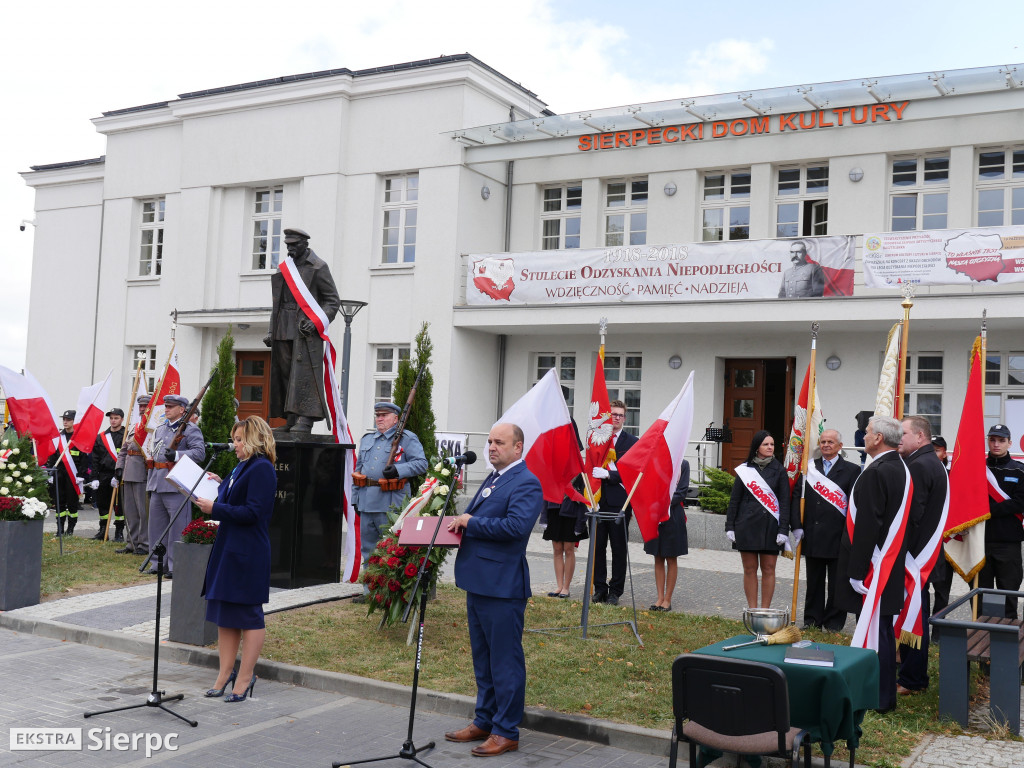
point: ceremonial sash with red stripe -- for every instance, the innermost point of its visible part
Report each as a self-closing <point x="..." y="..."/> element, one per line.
<point x="909" y="624"/>
<point x="827" y="490"/>
<point x="336" y="420"/>
<point x="108" y="443"/>
<point x="759" y="489"/>
<point x="996" y="493"/>
<point x="882" y="562"/>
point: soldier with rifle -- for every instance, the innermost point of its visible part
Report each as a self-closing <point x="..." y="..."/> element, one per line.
<point x="387" y="459"/>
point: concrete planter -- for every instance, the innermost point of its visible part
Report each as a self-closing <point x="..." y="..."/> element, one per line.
<point x="21" y="563"/>
<point x="188" y="606"/>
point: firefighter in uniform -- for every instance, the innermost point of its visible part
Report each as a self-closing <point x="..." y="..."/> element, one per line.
<point x="68" y="487"/>
<point x="104" y="462"/>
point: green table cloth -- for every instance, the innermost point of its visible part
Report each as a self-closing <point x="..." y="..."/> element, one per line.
<point x="829" y="702"/>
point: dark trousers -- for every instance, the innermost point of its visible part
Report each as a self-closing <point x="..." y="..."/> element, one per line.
<point x="914" y="661"/>
<point x="886" y="663"/>
<point x="615" y="532"/>
<point x="1003" y="566"/>
<point x="941" y="581"/>
<point x="103" y="496"/>
<point x="820" y="598"/>
<point x="496" y="640"/>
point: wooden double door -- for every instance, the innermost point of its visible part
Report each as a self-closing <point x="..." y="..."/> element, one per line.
<point x="252" y="386"/>
<point x="759" y="394"/>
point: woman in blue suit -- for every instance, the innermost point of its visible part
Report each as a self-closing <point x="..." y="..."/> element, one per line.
<point x="238" y="574"/>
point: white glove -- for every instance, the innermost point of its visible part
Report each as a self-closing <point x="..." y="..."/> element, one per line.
<point x="731" y="536"/>
<point x="49" y="478"/>
<point x="94" y="484"/>
<point x="113" y="482"/>
<point x="858" y="586"/>
<point x="780" y="539"/>
<point x="797" y="535"/>
<point x="599" y="473"/>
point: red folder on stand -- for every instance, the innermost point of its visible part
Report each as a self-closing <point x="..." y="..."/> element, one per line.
<point x="418" y="531"/>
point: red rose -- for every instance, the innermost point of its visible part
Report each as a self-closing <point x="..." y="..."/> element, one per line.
<point x="379" y="599"/>
<point x="400" y="551"/>
<point x="393" y="562"/>
<point x="411" y="569"/>
<point x="393" y="585"/>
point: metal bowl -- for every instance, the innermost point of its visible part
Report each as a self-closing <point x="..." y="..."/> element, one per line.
<point x="765" y="621"/>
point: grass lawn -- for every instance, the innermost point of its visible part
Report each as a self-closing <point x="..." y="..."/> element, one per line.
<point x="86" y="566"/>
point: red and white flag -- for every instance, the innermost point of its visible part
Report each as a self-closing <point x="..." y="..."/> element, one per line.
<point x="169" y="384"/>
<point x="336" y="420"/>
<point x="92" y="404"/>
<point x="600" y="430"/>
<point x="836" y="261"/>
<point x="804" y="429"/>
<point x="549" y="447"/>
<point x="31" y="411"/>
<point x="652" y="466"/>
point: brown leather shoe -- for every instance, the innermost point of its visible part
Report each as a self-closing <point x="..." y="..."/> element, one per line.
<point x="495" y="745"/>
<point x="901" y="691"/>
<point x="470" y="733"/>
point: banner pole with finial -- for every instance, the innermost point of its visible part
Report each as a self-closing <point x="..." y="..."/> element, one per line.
<point x="804" y="456"/>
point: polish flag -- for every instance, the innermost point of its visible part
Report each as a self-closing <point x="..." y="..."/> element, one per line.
<point x="92" y="404"/>
<point x="31" y="411"/>
<point x="652" y="466"/>
<point x="169" y="384"/>
<point x="836" y="258"/>
<point x="550" y="449"/>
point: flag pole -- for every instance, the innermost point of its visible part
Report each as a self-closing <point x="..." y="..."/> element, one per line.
<point x="982" y="364"/>
<point x="804" y="456"/>
<point x="907" y="303"/>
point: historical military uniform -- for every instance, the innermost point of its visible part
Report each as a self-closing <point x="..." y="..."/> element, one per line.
<point x="104" y="462"/>
<point x="164" y="498"/>
<point x="372" y="502"/>
<point x="801" y="281"/>
<point x="131" y="473"/>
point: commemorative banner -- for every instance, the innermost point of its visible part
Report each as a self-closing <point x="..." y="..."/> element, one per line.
<point x="989" y="256"/>
<point x="742" y="269"/>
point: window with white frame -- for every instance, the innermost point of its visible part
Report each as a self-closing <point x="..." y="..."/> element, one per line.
<point x="560" y="216"/>
<point x="151" y="237"/>
<point x="623" y="374"/>
<point x="147" y="355"/>
<point x="385" y="372"/>
<point x="625" y="215"/>
<point x="801" y="201"/>
<point x="564" y="363"/>
<point x="725" y="206"/>
<point x="267" y="210"/>
<point x="922" y="395"/>
<point x="919" y="193"/>
<point x="1004" y="380"/>
<point x="1000" y="187"/>
<point x="401" y="197"/>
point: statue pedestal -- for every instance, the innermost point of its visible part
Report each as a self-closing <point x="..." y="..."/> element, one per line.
<point x="305" y="531"/>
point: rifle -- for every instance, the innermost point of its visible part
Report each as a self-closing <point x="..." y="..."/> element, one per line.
<point x="399" y="483"/>
<point x="189" y="411"/>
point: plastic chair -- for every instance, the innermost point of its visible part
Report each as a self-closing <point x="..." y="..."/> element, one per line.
<point x="731" y="705"/>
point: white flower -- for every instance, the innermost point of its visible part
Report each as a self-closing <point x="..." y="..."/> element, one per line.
<point x="33" y="508"/>
<point x="8" y="479"/>
<point x="437" y="467"/>
<point x="4" y="491"/>
<point x="16" y="451"/>
<point x="23" y="465"/>
<point x="4" y="443"/>
<point x="445" y="472"/>
<point x="443" y="490"/>
<point x="16" y="473"/>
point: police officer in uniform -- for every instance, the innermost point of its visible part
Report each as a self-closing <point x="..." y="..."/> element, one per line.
<point x="164" y="498"/>
<point x="1003" y="532"/>
<point x="67" y="515"/>
<point x="104" y="462"/>
<point x="372" y="501"/>
<point x="130" y="475"/>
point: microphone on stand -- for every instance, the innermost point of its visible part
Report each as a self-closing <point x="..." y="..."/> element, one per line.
<point x="220" y="446"/>
<point x="463" y="459"/>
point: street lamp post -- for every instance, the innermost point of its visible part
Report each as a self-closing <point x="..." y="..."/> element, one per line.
<point x="349" y="308"/>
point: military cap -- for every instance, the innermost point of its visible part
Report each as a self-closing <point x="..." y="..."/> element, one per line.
<point x="294" y="234"/>
<point x="939" y="441"/>
<point x="387" y="407"/>
<point x="68" y="416"/>
<point x="114" y="412"/>
<point x="144" y="399"/>
<point x="999" y="430"/>
<point x="176" y="400"/>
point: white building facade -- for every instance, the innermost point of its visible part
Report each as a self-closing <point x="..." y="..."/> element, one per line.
<point x="410" y="177"/>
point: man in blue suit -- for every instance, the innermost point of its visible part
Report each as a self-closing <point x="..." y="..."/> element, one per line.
<point x="491" y="567"/>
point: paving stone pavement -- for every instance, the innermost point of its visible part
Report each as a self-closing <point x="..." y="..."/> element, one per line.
<point x="321" y="718"/>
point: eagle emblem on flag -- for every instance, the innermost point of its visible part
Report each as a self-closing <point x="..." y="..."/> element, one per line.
<point x="599" y="430"/>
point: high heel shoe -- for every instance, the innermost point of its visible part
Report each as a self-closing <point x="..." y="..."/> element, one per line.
<point x="233" y="697"/>
<point x="216" y="693"/>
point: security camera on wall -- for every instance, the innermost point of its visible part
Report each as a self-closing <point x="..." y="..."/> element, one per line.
<point x="26" y="221"/>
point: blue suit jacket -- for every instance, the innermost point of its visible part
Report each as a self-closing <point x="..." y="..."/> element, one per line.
<point x="239" y="567"/>
<point x="492" y="559"/>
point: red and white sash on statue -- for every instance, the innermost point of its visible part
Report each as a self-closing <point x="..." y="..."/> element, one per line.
<point x="909" y="623"/>
<point x="882" y="563"/>
<point x="336" y="420"/>
<point x="108" y="443"/>
<point x="829" y="491"/>
<point x="760" y="490"/>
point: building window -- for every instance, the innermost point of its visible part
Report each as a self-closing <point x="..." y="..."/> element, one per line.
<point x="919" y="193"/>
<point x="401" y="196"/>
<point x="565" y="364"/>
<point x="922" y="395"/>
<point x="148" y="357"/>
<point x="625" y="216"/>
<point x="1004" y="380"/>
<point x="726" y="206"/>
<point x="151" y="237"/>
<point x="1000" y="187"/>
<point x="623" y="374"/>
<point x="386" y="371"/>
<point x="266" y="227"/>
<point x="560" y="217"/>
<point x="801" y="196"/>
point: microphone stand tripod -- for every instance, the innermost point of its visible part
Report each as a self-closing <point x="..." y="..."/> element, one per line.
<point x="409" y="750"/>
<point x="156" y="697"/>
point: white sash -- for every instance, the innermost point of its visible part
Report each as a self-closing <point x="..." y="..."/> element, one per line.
<point x="759" y="489"/>
<point x="828" y="490"/>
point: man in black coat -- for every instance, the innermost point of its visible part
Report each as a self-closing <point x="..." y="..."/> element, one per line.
<point x="823" y="526"/>
<point x="104" y="463"/>
<point x="928" y="507"/>
<point x="1003" y="531"/>
<point x="877" y="503"/>
<point x="613" y="496"/>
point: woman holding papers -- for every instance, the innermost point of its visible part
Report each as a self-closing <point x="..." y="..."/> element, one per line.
<point x="238" y="574"/>
<point x="757" y="520"/>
